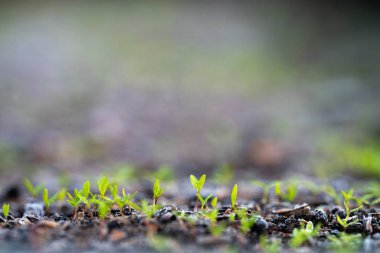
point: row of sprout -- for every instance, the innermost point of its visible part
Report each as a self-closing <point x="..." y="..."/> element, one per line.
<point x="110" y="195"/>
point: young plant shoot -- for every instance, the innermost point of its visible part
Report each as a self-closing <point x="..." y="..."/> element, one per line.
<point x="48" y="201"/>
<point x="33" y="191"/>
<point x="157" y="192"/>
<point x="5" y="210"/>
<point x="198" y="185"/>
<point x="234" y="193"/>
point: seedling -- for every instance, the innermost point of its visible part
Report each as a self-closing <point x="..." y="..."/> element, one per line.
<point x="198" y="185"/>
<point x="329" y="190"/>
<point x="61" y="195"/>
<point x="217" y="229"/>
<point x="345" y="243"/>
<point x="87" y="201"/>
<point x="234" y="193"/>
<point x="6" y="210"/>
<point x="246" y="221"/>
<point x="147" y="209"/>
<point x="34" y="191"/>
<point x="79" y="196"/>
<point x="48" y="201"/>
<point x="224" y="174"/>
<point x="300" y="236"/>
<point x="347" y="221"/>
<point x="372" y="192"/>
<point x="269" y="246"/>
<point x="214" y="202"/>
<point x="127" y="200"/>
<point x="164" y="173"/>
<point x="103" y="208"/>
<point x="103" y="186"/>
<point x="157" y="192"/>
<point x="266" y="189"/>
<point x="204" y="200"/>
<point x="290" y="193"/>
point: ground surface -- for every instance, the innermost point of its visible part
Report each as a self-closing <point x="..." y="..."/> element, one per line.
<point x="175" y="227"/>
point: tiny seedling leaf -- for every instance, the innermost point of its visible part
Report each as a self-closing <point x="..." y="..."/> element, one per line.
<point x="6" y="210"/>
<point x="103" y="185"/>
<point x="234" y="193"/>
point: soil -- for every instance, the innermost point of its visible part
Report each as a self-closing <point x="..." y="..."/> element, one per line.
<point x="176" y="227"/>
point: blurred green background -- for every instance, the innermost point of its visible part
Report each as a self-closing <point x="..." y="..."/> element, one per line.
<point x="284" y="87"/>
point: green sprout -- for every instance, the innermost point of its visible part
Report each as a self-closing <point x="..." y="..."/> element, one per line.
<point x="290" y="193"/>
<point x="224" y="174"/>
<point x="103" y="185"/>
<point x="204" y="200"/>
<point x="198" y="185"/>
<point x="34" y="191"/>
<point x="147" y="209"/>
<point x="234" y="193"/>
<point x="48" y="201"/>
<point x="266" y="189"/>
<point x="246" y="221"/>
<point x="125" y="200"/>
<point x="300" y="236"/>
<point x="87" y="201"/>
<point x="79" y="196"/>
<point x="372" y="192"/>
<point x="164" y="173"/>
<point x="214" y="202"/>
<point x="217" y="229"/>
<point x="6" y="208"/>
<point x="330" y="191"/>
<point x="347" y="221"/>
<point x="157" y="192"/>
<point x="103" y="208"/>
<point x="345" y="243"/>
<point x="269" y="246"/>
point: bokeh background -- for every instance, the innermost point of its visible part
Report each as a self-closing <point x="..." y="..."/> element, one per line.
<point x="270" y="87"/>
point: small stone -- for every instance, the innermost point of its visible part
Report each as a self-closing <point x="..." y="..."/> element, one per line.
<point x="320" y="216"/>
<point x="117" y="235"/>
<point x="355" y="227"/>
<point x="34" y="210"/>
<point x="260" y="225"/>
<point x="47" y="224"/>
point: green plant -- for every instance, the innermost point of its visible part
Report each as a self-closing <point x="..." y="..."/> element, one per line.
<point x="61" y="194"/>
<point x="48" y="201"/>
<point x="214" y="202"/>
<point x="198" y="185"/>
<point x="6" y="208"/>
<point x="269" y="246"/>
<point x="246" y="221"/>
<point x="345" y="243"/>
<point x="157" y="192"/>
<point x="125" y="200"/>
<point x="330" y="191"/>
<point x="79" y="196"/>
<point x="290" y="193"/>
<point x="300" y="236"/>
<point x="217" y="229"/>
<point x="164" y="173"/>
<point x="266" y="189"/>
<point x="34" y="191"/>
<point x="347" y="221"/>
<point x="234" y="193"/>
<point x="103" y="185"/>
<point x="103" y="208"/>
<point x="87" y="201"/>
<point x="147" y="209"/>
<point x="204" y="200"/>
<point x="224" y="174"/>
<point x="372" y="192"/>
